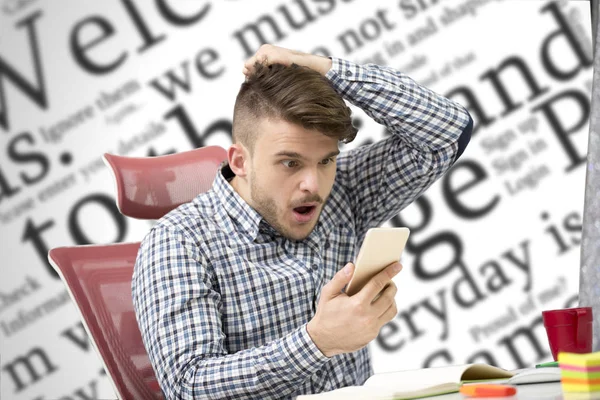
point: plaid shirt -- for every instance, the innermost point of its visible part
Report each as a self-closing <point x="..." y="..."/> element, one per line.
<point x="223" y="300"/>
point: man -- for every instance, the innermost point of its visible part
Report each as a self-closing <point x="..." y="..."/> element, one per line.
<point x="239" y="293"/>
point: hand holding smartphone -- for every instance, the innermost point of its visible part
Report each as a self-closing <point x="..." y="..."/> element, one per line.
<point x="381" y="247"/>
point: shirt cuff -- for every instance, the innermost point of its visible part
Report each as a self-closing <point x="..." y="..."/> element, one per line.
<point x="346" y="69"/>
<point x="345" y="75"/>
<point x="302" y="352"/>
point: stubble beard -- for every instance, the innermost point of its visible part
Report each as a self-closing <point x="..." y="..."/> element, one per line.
<point x="267" y="208"/>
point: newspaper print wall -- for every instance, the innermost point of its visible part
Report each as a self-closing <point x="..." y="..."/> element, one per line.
<point x="493" y="243"/>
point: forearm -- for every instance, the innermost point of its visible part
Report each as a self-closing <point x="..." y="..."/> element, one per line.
<point x="318" y="63"/>
<point x="413" y="112"/>
<point x="274" y="370"/>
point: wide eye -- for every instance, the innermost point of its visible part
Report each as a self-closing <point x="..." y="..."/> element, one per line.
<point x="290" y="163"/>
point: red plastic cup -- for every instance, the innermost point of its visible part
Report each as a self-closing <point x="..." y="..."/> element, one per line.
<point x="569" y="330"/>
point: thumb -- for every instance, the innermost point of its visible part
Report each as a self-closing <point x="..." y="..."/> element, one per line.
<point x="340" y="279"/>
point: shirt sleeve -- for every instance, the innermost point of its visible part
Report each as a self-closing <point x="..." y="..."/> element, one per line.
<point x="177" y="303"/>
<point x="428" y="134"/>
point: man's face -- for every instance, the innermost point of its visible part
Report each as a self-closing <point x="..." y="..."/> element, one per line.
<point x="291" y="175"/>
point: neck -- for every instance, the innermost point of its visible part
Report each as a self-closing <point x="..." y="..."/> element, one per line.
<point x="241" y="188"/>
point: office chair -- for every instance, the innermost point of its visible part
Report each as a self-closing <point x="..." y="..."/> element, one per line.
<point x="98" y="277"/>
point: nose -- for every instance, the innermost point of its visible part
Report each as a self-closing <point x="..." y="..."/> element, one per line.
<point x="310" y="181"/>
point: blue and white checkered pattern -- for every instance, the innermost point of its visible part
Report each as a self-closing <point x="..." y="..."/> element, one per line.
<point x="223" y="300"/>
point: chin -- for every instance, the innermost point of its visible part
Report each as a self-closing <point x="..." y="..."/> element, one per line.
<point x="297" y="239"/>
<point x="299" y="235"/>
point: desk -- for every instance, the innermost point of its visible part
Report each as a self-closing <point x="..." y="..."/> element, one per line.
<point x="535" y="391"/>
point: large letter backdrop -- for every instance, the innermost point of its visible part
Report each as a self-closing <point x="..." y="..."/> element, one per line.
<point x="494" y="242"/>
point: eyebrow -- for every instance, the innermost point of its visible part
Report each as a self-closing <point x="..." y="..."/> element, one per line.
<point x="293" y="154"/>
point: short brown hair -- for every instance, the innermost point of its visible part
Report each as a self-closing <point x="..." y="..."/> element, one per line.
<point x="295" y="94"/>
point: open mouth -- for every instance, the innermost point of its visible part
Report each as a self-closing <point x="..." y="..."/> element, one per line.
<point x="304" y="210"/>
<point x="304" y="213"/>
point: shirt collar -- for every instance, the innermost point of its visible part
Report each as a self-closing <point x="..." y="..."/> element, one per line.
<point x="246" y="219"/>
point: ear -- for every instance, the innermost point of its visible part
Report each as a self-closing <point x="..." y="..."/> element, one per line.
<point x="239" y="159"/>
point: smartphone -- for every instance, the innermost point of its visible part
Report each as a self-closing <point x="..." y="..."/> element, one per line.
<point x="381" y="247"/>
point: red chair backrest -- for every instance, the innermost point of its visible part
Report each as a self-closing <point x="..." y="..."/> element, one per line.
<point x="99" y="281"/>
<point x="150" y="187"/>
<point x="98" y="277"/>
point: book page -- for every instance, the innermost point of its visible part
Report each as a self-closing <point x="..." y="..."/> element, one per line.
<point x="536" y="375"/>
<point x="526" y="376"/>
<point x="417" y="379"/>
<point x="477" y="372"/>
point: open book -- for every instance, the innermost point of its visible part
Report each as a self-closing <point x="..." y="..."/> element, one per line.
<point x="414" y="384"/>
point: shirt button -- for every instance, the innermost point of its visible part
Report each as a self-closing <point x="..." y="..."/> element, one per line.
<point x="319" y="374"/>
<point x="327" y="245"/>
<point x="315" y="267"/>
<point x="348" y="73"/>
